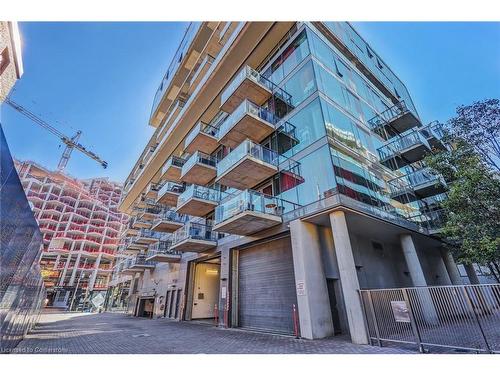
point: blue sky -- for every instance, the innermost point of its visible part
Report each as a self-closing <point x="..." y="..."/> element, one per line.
<point x="101" y="78"/>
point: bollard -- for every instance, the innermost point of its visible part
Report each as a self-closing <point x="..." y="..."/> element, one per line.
<point x="216" y="315"/>
<point x="295" y="321"/>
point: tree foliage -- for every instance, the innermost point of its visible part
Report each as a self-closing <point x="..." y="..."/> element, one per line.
<point x="473" y="203"/>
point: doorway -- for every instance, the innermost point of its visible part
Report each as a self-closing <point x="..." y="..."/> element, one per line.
<point x="206" y="289"/>
<point x="332" y="284"/>
<point x="146" y="308"/>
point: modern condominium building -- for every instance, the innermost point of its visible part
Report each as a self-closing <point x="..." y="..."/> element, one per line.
<point x="80" y="224"/>
<point x="285" y="173"/>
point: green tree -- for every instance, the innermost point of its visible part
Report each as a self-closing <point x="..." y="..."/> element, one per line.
<point x="472" y="225"/>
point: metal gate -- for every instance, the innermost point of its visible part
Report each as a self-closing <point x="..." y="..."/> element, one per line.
<point x="459" y="317"/>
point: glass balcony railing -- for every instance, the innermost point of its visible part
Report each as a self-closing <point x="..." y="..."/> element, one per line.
<point x="433" y="130"/>
<point x="195" y="231"/>
<point x="247" y="148"/>
<point x="174" y="161"/>
<point x="200" y="192"/>
<point x="399" y="144"/>
<point x="170" y="187"/>
<point x="246" y="107"/>
<point x="174" y="64"/>
<point x="200" y="128"/>
<point x="199" y="158"/>
<point x="141" y="260"/>
<point x="249" y="73"/>
<point x="250" y="200"/>
<point x="148" y="233"/>
<point x="171" y="215"/>
<point x="162" y="248"/>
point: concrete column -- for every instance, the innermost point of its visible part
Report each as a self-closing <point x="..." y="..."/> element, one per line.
<point x="418" y="279"/>
<point x="58" y="259"/>
<point x="451" y="267"/>
<point x="412" y="261"/>
<point x="75" y="268"/>
<point x="471" y="274"/>
<point x="315" y="314"/>
<point x="94" y="273"/>
<point x="65" y="270"/>
<point x="348" y="278"/>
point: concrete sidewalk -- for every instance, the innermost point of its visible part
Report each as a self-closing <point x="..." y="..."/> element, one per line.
<point x="110" y="333"/>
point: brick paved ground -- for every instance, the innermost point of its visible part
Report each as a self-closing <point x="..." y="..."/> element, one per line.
<point x="119" y="333"/>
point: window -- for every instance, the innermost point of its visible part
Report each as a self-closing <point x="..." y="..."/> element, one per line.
<point x="302" y="84"/>
<point x="4" y="60"/>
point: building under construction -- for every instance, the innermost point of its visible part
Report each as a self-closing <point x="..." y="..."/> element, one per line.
<point x="80" y="224"/>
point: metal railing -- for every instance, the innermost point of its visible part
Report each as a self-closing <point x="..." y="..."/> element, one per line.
<point x="413" y="180"/>
<point x="390" y="114"/>
<point x="246" y="108"/>
<point x="247" y="148"/>
<point x="411" y="139"/>
<point x="250" y="200"/>
<point x="465" y="317"/>
<point x="162" y="247"/>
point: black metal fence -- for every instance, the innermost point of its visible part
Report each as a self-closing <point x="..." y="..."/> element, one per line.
<point x="463" y="317"/>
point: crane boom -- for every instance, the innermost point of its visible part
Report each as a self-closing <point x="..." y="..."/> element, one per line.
<point x="70" y="142"/>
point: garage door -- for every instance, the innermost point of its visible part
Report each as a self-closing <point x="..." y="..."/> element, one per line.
<point x="266" y="288"/>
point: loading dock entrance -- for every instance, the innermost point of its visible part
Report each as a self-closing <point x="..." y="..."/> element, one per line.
<point x="265" y="285"/>
<point x="205" y="290"/>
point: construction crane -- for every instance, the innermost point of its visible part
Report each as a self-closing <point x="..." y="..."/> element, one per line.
<point x="70" y="142"/>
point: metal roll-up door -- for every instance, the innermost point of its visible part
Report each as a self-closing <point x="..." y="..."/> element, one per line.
<point x="266" y="287"/>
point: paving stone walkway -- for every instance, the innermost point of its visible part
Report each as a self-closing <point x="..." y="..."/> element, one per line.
<point x="110" y="333"/>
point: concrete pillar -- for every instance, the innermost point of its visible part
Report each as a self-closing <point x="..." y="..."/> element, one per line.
<point x="451" y="267"/>
<point x="348" y="278"/>
<point x="65" y="270"/>
<point x="94" y="273"/>
<point x="418" y="279"/>
<point x="412" y="261"/>
<point x="75" y="268"/>
<point x="315" y="314"/>
<point x="471" y="274"/>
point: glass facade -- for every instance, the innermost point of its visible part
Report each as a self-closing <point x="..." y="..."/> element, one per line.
<point x="331" y="102"/>
<point x="21" y="287"/>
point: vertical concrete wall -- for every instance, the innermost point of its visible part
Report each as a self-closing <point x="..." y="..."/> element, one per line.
<point x="313" y="301"/>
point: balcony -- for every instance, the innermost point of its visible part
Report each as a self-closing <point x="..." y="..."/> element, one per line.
<point x="140" y="224"/>
<point x="419" y="184"/>
<point x="169" y="221"/>
<point x="434" y="134"/>
<point x="394" y="120"/>
<point x="168" y="194"/>
<point x="202" y="138"/>
<point x="131" y="246"/>
<point x="199" y="169"/>
<point x="146" y="237"/>
<point x="138" y="264"/>
<point x="152" y="191"/>
<point x="194" y="237"/>
<point x="149" y="213"/>
<point x="404" y="150"/>
<point x="198" y="201"/>
<point x="250" y="211"/>
<point x="247" y="84"/>
<point x="162" y="253"/>
<point x="247" y="165"/>
<point x="171" y="170"/>
<point x="247" y="121"/>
